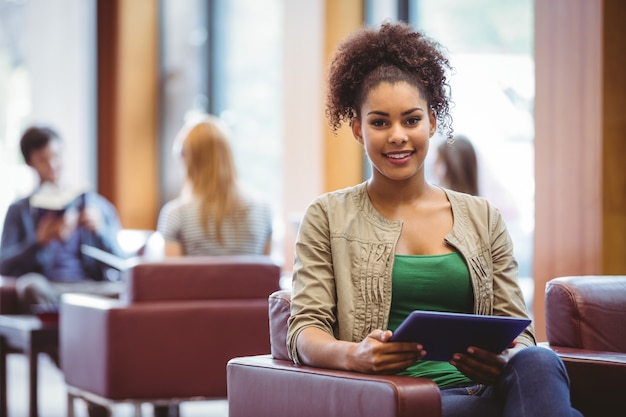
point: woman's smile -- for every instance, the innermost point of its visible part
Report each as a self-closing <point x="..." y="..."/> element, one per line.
<point x="399" y="157"/>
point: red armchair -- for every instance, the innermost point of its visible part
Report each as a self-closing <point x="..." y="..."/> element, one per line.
<point x="169" y="338"/>
<point x="586" y="326"/>
<point x="8" y="296"/>
<point x="272" y="385"/>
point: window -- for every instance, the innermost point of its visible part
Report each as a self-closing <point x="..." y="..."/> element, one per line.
<point x="185" y="68"/>
<point x="248" y="88"/>
<point x="47" y="74"/>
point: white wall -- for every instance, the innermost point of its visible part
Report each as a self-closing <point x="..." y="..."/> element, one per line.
<point x="304" y="113"/>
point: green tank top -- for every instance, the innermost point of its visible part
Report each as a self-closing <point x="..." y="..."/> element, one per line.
<point x="435" y="283"/>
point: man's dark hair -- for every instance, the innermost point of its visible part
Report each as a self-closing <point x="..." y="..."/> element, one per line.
<point x="36" y="138"/>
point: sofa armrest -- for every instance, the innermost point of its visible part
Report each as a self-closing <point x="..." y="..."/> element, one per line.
<point x="279" y="311"/>
<point x="595" y="380"/>
<point x="594" y="357"/>
<point x="263" y="386"/>
<point x="147" y="350"/>
<point x="587" y="312"/>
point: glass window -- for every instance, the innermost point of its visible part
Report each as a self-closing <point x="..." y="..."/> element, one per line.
<point x="248" y="61"/>
<point x="184" y="54"/>
<point x="47" y="76"/>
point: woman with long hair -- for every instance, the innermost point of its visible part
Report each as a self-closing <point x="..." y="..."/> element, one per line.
<point x="213" y="214"/>
<point x="456" y="165"/>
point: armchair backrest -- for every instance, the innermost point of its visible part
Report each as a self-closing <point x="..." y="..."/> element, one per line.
<point x="587" y="312"/>
<point x="279" y="311"/>
<point x="201" y="278"/>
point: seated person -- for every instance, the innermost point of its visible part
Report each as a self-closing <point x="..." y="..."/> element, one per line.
<point x="456" y="165"/>
<point x="213" y="215"/>
<point x="368" y="255"/>
<point x="43" y="250"/>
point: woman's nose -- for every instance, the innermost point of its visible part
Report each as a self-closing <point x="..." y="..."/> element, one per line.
<point x="398" y="136"/>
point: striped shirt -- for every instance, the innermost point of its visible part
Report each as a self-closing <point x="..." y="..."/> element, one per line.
<point x="244" y="232"/>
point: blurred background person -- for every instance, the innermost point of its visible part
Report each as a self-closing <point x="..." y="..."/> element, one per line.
<point x="456" y="165"/>
<point x="42" y="248"/>
<point x="213" y="215"/>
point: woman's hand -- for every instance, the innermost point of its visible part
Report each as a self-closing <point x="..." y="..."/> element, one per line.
<point x="376" y="355"/>
<point x="482" y="366"/>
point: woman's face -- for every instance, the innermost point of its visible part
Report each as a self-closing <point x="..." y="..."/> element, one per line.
<point x="395" y="127"/>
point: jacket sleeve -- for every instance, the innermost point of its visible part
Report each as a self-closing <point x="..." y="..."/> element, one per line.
<point x="105" y="238"/>
<point x="508" y="297"/>
<point x="313" y="290"/>
<point x="19" y="247"/>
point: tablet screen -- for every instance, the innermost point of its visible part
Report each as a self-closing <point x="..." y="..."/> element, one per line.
<point x="444" y="334"/>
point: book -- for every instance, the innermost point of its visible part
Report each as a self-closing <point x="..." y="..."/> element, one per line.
<point x="50" y="198"/>
<point x="114" y="261"/>
<point x="443" y="334"/>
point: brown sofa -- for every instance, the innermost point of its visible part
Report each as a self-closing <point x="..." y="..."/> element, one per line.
<point x="8" y="296"/>
<point x="169" y="338"/>
<point x="586" y="326"/>
<point x="271" y="385"/>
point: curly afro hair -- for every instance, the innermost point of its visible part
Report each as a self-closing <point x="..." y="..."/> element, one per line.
<point x="393" y="53"/>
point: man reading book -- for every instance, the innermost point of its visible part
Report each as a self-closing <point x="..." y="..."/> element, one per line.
<point x="43" y="233"/>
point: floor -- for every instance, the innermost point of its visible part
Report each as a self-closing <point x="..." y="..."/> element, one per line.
<point x="53" y="394"/>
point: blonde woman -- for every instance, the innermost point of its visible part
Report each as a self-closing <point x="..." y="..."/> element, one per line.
<point x="213" y="215"/>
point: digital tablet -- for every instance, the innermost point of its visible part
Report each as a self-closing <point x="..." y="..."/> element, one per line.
<point x="444" y="334"/>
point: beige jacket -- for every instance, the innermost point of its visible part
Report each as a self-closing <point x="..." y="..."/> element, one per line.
<point x="344" y="258"/>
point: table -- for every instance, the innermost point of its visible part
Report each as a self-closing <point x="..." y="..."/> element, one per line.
<point x="29" y="335"/>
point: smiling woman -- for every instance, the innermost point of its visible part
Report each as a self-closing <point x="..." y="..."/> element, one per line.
<point x="368" y="255"/>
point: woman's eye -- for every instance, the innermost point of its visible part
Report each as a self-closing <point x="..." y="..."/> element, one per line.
<point x="412" y="121"/>
<point x="378" y="123"/>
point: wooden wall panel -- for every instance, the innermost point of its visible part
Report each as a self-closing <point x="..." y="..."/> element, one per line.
<point x="106" y="80"/>
<point x="127" y="114"/>
<point x="568" y="143"/>
<point x="614" y="132"/>
<point x="575" y="176"/>
<point x="343" y="155"/>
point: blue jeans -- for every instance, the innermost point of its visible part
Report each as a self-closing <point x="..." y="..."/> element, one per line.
<point x="534" y="383"/>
